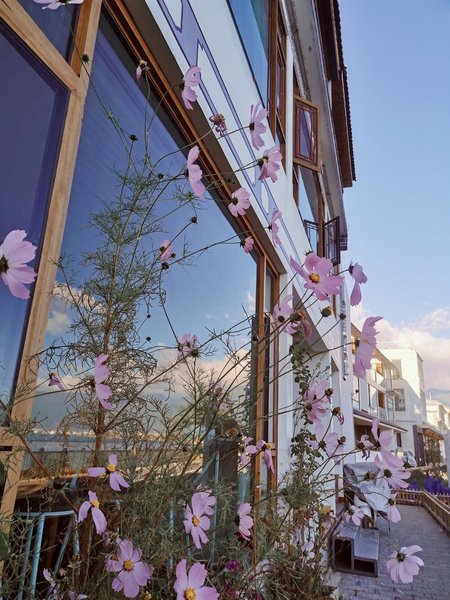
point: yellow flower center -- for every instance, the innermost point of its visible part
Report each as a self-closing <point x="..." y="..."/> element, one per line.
<point x="95" y="503"/>
<point x="190" y="594"/>
<point x="268" y="446"/>
<point x="128" y="565"/>
<point x="111" y="468"/>
<point x="196" y="522"/>
<point x="314" y="277"/>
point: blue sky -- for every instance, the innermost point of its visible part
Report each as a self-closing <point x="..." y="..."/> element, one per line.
<point x="397" y="56"/>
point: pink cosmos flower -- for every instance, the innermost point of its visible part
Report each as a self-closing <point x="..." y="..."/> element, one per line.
<point x="189" y="586"/>
<point x="101" y="372"/>
<point x="243" y="520"/>
<point x="365" y="347"/>
<point x="132" y="572"/>
<point x="395" y="476"/>
<point x="187" y="346"/>
<point x="316" y="271"/>
<point x="219" y="123"/>
<point x="403" y="566"/>
<point x="72" y="596"/>
<point x="166" y="250"/>
<point x="356" y="271"/>
<point x="331" y="443"/>
<point x="14" y="254"/>
<point x="393" y="514"/>
<point x="248" y="244"/>
<point x="317" y="404"/>
<point x="383" y="441"/>
<point x="248" y="449"/>
<point x="266" y="447"/>
<point x="54" y="4"/>
<point x="257" y="116"/>
<point x="194" y="173"/>
<point x="141" y="68"/>
<point x="240" y="201"/>
<point x="195" y="520"/>
<point x="115" y="478"/>
<point x="190" y="80"/>
<point x="48" y="577"/>
<point x="97" y="516"/>
<point x="55" y="380"/>
<point x="354" y="514"/>
<point x="209" y="500"/>
<point x="270" y="164"/>
<point x="275" y="228"/>
<point x="281" y="316"/>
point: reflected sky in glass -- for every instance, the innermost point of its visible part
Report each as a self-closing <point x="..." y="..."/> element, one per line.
<point x="211" y="293"/>
<point x="31" y="126"/>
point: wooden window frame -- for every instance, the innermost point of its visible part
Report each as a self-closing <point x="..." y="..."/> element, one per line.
<point x="301" y="105"/>
<point x="277" y="65"/>
<point x="75" y="76"/>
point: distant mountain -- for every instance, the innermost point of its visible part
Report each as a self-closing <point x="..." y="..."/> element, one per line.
<point x="442" y="396"/>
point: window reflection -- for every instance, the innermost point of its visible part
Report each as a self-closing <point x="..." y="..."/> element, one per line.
<point x="213" y="293"/>
<point x="58" y="25"/>
<point x="31" y="126"/>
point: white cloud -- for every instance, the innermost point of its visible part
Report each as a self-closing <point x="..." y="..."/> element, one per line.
<point x="429" y="335"/>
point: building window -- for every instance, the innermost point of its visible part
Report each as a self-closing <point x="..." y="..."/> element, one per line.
<point x="252" y="22"/>
<point x="306" y="134"/>
<point x="399" y="439"/>
<point x="57" y="25"/>
<point x="31" y="128"/>
<point x="400" y="404"/>
<point x="325" y="240"/>
<point x="398" y="366"/>
<point x="277" y="77"/>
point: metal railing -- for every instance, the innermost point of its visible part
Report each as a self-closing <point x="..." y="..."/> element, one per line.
<point x="437" y="506"/>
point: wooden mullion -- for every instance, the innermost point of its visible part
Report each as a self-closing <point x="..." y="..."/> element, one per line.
<point x="51" y="246"/>
<point x="20" y="22"/>
<point x="273" y="41"/>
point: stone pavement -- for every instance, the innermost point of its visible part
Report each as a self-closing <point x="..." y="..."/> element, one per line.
<point x="433" y="582"/>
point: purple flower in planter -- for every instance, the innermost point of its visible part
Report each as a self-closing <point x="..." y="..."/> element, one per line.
<point x="54" y="4"/>
<point x="14" y="254"/>
<point x="365" y="347"/>
<point x="266" y="448"/>
<point x="195" y="520"/>
<point x="53" y="379"/>
<point x="243" y="520"/>
<point x="248" y="244"/>
<point x="101" y="372"/>
<point x="166" y="250"/>
<point x="189" y="586"/>
<point x="270" y="164"/>
<point x="190" y="80"/>
<point x="97" y="516"/>
<point x="316" y="271"/>
<point x="132" y="572"/>
<point x="275" y="228"/>
<point x="257" y="116"/>
<point x="194" y="173"/>
<point x="115" y="478"/>
<point x="240" y="201"/>
<point x="356" y="271"/>
<point x="403" y="566"/>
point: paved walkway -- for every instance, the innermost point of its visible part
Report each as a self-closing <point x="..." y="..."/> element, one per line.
<point x="433" y="582"/>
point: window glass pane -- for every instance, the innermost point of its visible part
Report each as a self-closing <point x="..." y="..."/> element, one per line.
<point x="58" y="25"/>
<point x="213" y="291"/>
<point x="33" y="105"/>
<point x="252" y="21"/>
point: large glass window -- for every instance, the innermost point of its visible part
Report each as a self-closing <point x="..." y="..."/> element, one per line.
<point x="210" y="292"/>
<point x="33" y="105"/>
<point x="58" y="25"/>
